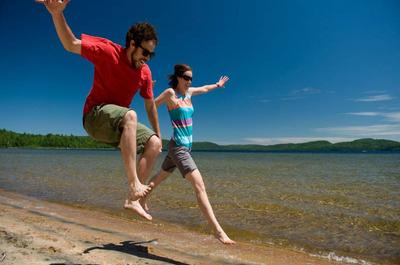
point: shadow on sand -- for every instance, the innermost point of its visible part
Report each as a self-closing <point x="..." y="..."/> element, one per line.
<point x="136" y="249"/>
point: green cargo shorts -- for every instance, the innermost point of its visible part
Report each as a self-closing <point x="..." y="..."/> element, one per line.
<point x="103" y="124"/>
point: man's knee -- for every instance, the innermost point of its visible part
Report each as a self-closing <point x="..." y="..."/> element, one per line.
<point x="154" y="144"/>
<point x="130" y="119"/>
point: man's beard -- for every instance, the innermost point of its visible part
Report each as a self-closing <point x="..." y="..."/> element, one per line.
<point x="135" y="63"/>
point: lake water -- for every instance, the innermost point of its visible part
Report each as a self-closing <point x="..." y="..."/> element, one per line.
<point x="333" y="205"/>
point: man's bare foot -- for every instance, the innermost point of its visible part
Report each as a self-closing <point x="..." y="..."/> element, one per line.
<point x="137" y="208"/>
<point x="223" y="238"/>
<point x="139" y="191"/>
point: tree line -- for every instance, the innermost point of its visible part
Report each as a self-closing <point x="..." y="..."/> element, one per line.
<point x="13" y="139"/>
<point x="25" y="140"/>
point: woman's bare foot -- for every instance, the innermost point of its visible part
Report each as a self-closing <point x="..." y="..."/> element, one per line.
<point x="143" y="200"/>
<point x="137" y="208"/>
<point x="223" y="238"/>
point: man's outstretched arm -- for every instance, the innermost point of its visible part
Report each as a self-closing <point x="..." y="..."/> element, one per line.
<point x="152" y="115"/>
<point x="65" y="34"/>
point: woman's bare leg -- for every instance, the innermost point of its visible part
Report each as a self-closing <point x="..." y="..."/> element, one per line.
<point x="154" y="182"/>
<point x="197" y="182"/>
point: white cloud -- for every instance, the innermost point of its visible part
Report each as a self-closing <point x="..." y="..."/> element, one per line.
<point x="384" y="97"/>
<point x="390" y="116"/>
<point x="374" y="92"/>
<point x="306" y="91"/>
<point x="378" y="130"/>
<point x="302" y="93"/>
<point x="292" y="98"/>
<point x="387" y="108"/>
<point x="294" y="140"/>
<point x="364" y="113"/>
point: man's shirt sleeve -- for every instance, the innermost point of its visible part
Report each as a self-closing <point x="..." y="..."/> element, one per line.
<point x="146" y="91"/>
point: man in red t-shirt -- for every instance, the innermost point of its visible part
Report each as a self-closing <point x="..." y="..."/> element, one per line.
<point x="119" y="74"/>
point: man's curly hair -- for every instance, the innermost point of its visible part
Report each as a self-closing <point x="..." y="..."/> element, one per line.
<point x="141" y="32"/>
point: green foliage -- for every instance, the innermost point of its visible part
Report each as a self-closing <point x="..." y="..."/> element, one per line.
<point x="12" y="139"/>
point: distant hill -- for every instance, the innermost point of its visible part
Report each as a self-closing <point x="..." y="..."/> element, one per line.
<point x="361" y="145"/>
<point x="13" y="139"/>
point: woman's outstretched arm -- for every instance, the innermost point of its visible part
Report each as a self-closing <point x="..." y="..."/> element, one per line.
<point x="208" y="88"/>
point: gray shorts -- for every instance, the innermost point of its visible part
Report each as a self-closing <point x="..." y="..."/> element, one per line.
<point x="178" y="156"/>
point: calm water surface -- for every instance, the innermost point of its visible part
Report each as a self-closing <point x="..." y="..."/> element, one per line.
<point x="346" y="204"/>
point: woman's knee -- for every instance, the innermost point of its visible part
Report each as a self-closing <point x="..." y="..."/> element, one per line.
<point x="200" y="188"/>
<point x="197" y="181"/>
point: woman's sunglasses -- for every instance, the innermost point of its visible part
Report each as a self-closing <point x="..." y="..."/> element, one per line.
<point x="186" y="77"/>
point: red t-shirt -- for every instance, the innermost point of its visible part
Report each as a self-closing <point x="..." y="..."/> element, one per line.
<point x="115" y="80"/>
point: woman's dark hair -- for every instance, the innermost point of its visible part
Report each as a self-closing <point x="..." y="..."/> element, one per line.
<point x="179" y="69"/>
<point x="140" y="32"/>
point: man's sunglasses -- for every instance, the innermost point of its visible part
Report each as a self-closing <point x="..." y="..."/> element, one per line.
<point x="186" y="77"/>
<point x="146" y="52"/>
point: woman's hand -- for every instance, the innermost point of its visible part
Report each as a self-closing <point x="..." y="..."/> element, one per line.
<point x="222" y="81"/>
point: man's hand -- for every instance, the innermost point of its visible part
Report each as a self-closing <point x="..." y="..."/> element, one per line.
<point x="65" y="34"/>
<point x="54" y="7"/>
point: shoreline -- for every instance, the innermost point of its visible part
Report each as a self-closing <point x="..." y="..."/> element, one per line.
<point x="111" y="149"/>
<point x="41" y="232"/>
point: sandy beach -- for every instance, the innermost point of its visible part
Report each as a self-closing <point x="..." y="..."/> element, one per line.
<point x="39" y="232"/>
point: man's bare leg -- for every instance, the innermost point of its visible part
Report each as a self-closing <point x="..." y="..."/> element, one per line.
<point x="152" y="150"/>
<point x="197" y="182"/>
<point x="128" y="152"/>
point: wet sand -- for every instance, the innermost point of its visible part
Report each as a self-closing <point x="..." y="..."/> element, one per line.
<point x="40" y="232"/>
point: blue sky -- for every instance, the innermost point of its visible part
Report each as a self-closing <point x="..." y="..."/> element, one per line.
<point x="299" y="70"/>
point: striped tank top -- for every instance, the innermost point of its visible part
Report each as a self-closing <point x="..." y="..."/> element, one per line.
<point x="181" y="120"/>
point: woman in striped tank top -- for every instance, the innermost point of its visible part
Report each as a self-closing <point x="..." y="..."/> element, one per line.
<point x="180" y="108"/>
